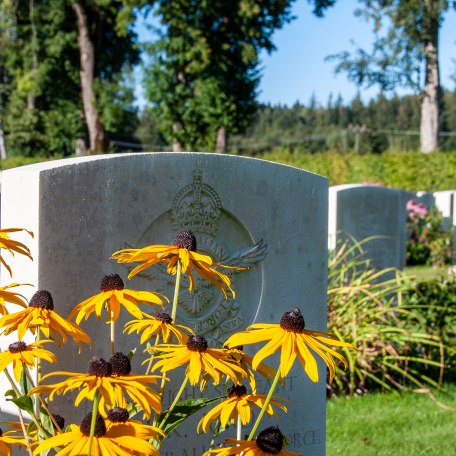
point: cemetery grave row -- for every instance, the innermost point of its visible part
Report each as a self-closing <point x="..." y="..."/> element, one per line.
<point x="271" y="219"/>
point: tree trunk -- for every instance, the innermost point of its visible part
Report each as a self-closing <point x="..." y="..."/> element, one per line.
<point x="97" y="134"/>
<point x="430" y="100"/>
<point x="3" y="153"/>
<point x="176" y="144"/>
<point x="220" y="144"/>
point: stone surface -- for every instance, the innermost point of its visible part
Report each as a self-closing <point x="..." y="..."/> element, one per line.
<point x="366" y="211"/>
<point x="445" y="201"/>
<point x="248" y="212"/>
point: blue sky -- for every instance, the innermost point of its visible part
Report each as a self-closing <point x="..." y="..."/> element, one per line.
<point x="297" y="69"/>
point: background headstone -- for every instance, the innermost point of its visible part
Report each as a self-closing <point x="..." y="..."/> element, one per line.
<point x="270" y="217"/>
<point x="368" y="211"/>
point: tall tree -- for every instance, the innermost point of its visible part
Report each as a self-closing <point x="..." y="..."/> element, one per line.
<point x="204" y="72"/>
<point x="399" y="55"/>
<point x="106" y="44"/>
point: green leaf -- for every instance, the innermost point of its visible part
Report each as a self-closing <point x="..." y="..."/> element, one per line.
<point x="23" y="402"/>
<point x="25" y="383"/>
<point x="182" y="410"/>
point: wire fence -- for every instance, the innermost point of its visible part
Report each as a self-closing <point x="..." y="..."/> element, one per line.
<point x="346" y="139"/>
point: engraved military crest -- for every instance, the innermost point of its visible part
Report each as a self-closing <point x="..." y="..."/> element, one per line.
<point x="219" y="234"/>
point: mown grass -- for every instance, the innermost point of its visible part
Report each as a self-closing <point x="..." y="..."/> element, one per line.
<point x="427" y="272"/>
<point x="397" y="424"/>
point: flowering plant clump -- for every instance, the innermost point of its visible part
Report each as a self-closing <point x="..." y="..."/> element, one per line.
<point x="429" y="241"/>
<point x="118" y="397"/>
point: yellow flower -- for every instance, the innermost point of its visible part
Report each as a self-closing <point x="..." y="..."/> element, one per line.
<point x="11" y="296"/>
<point x="10" y="437"/>
<point x="19" y="353"/>
<point x="238" y="403"/>
<point x="183" y="250"/>
<point x="269" y="441"/>
<point x="107" y="441"/>
<point x="112" y="379"/>
<point x="160" y="324"/>
<point x="246" y="363"/>
<point x="40" y="314"/>
<point x="200" y="359"/>
<point x="294" y="341"/>
<point x="13" y="246"/>
<point x="119" y="421"/>
<point x="112" y="295"/>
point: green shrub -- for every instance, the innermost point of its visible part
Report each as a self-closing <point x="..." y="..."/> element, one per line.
<point x="434" y="302"/>
<point x="396" y="349"/>
<point x="411" y="171"/>
<point x="427" y="240"/>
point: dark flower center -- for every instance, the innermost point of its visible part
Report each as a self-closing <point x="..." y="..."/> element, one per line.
<point x="270" y="440"/>
<point x="17" y="347"/>
<point x="118" y="415"/>
<point x="100" y="426"/>
<point x="292" y="321"/>
<point x="1" y="432"/>
<point x="164" y="317"/>
<point x="186" y="240"/>
<point x="99" y="367"/>
<point x="60" y="420"/>
<point x="42" y="299"/>
<point x="111" y="282"/>
<point x="237" y="390"/>
<point x="120" y="364"/>
<point x="197" y="343"/>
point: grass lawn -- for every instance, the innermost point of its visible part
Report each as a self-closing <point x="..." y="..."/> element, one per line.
<point x="427" y="272"/>
<point x="407" y="424"/>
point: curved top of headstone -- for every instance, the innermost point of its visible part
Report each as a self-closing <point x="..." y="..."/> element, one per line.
<point x="223" y="158"/>
<point x="363" y="188"/>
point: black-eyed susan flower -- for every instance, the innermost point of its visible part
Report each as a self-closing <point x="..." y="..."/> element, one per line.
<point x="113" y="384"/>
<point x="9" y="437"/>
<point x="200" y="360"/>
<point x="11" y="296"/>
<point x="162" y="324"/>
<point x="183" y="250"/>
<point x="294" y="341"/>
<point x="112" y="295"/>
<point x="269" y="441"/>
<point x="13" y="246"/>
<point x="118" y="420"/>
<point x="112" y="441"/>
<point x="238" y="403"/>
<point x="40" y="314"/>
<point x="246" y="363"/>
<point x="20" y="354"/>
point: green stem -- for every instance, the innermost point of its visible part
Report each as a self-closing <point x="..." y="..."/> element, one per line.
<point x="265" y="405"/>
<point x="239" y="428"/>
<point x="176" y="400"/>
<point x="43" y="402"/>
<point x="19" y="394"/>
<point x="176" y="292"/>
<point x="24" y="432"/>
<point x="96" y="401"/>
<point x="151" y="360"/>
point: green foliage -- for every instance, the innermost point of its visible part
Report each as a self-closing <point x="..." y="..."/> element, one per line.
<point x="41" y="110"/>
<point x="406" y="170"/>
<point x="434" y="301"/>
<point x="395" y="347"/>
<point x="428" y="240"/>
<point x="204" y="68"/>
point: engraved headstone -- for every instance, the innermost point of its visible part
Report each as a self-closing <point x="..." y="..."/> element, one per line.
<point x="360" y="212"/>
<point x="244" y="212"/>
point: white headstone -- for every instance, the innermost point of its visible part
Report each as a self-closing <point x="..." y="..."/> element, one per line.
<point x="368" y="211"/>
<point x="82" y="210"/>
<point x="445" y="201"/>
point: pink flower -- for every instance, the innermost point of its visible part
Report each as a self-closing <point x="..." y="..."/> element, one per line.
<point x="453" y="270"/>
<point x="416" y="209"/>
